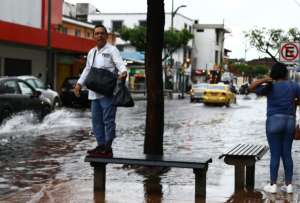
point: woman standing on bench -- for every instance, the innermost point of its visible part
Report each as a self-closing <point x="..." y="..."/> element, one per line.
<point x="280" y="124"/>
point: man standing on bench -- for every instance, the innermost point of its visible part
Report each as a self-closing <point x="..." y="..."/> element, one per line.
<point x="103" y="110"/>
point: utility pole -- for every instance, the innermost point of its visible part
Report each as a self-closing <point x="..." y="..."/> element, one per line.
<point x="50" y="71"/>
<point x="173" y="13"/>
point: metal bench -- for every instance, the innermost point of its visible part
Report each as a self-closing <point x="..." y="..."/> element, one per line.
<point x="244" y="157"/>
<point x="198" y="165"/>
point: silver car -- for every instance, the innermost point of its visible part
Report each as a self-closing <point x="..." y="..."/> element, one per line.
<point x="197" y="91"/>
<point x="48" y="93"/>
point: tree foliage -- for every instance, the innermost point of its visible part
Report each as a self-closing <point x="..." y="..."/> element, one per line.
<point x="173" y="39"/>
<point x="269" y="40"/>
<point x="249" y="70"/>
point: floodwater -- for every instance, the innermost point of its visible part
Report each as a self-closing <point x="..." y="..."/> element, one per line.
<point x="43" y="162"/>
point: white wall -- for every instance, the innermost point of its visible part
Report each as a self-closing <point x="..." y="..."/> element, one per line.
<point x="22" y="12"/>
<point x="205" y="46"/>
<point x="37" y="57"/>
<point x="205" y="51"/>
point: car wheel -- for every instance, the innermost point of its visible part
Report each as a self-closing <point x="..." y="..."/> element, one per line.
<point x="45" y="111"/>
<point x="6" y="113"/>
<point x="56" y="104"/>
<point x="227" y="104"/>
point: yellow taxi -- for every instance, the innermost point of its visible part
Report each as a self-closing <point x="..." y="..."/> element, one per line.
<point x="218" y="94"/>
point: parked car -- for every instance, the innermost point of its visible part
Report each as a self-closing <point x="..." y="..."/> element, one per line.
<point x="68" y="97"/>
<point x="17" y="95"/>
<point x="52" y="95"/>
<point x="218" y="94"/>
<point x="197" y="91"/>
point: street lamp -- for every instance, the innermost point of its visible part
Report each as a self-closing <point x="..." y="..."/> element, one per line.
<point x="173" y="13"/>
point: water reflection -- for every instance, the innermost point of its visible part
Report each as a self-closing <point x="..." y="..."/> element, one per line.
<point x="99" y="197"/>
<point x="153" y="189"/>
<point x="246" y="197"/>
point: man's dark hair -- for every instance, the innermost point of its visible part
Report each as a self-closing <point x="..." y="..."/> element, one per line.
<point x="278" y="71"/>
<point x="100" y="25"/>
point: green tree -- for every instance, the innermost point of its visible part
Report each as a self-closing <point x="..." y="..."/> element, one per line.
<point x="153" y="143"/>
<point x="260" y="70"/>
<point x="268" y="40"/>
<point x="173" y="39"/>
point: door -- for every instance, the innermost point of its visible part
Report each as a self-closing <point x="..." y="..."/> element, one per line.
<point x="30" y="101"/>
<point x="16" y="67"/>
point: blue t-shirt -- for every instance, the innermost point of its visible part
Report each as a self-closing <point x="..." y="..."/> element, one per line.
<point x="281" y="98"/>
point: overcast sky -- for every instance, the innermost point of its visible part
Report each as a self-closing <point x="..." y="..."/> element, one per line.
<point x="238" y="15"/>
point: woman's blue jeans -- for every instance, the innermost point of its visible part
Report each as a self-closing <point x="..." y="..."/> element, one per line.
<point x="103" y="120"/>
<point x="280" y="130"/>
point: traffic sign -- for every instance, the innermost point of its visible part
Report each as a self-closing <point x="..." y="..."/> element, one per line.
<point x="289" y="52"/>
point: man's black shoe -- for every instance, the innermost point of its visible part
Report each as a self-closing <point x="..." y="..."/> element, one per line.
<point x="99" y="148"/>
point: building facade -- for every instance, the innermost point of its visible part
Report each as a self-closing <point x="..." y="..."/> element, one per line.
<point x="208" y="49"/>
<point x="28" y="47"/>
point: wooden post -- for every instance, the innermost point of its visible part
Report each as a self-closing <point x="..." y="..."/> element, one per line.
<point x="200" y="182"/>
<point x="99" y="176"/>
<point x="239" y="177"/>
<point x="250" y="177"/>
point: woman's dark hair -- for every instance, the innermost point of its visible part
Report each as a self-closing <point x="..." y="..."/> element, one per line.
<point x="279" y="71"/>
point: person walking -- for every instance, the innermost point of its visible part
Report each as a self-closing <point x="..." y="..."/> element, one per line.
<point x="107" y="56"/>
<point x="280" y="124"/>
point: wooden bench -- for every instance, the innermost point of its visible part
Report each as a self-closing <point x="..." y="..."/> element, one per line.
<point x="199" y="166"/>
<point x="244" y="157"/>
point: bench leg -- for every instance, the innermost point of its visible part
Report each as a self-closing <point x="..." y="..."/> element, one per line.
<point x="250" y="177"/>
<point x="200" y="182"/>
<point x="239" y="177"/>
<point x="99" y="177"/>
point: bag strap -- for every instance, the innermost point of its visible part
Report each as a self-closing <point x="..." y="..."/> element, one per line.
<point x="94" y="57"/>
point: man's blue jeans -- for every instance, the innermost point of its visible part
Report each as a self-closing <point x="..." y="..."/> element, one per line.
<point x="103" y="120"/>
<point x="280" y="130"/>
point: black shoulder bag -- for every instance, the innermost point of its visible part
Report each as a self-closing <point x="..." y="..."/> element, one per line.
<point x="122" y="96"/>
<point x="101" y="80"/>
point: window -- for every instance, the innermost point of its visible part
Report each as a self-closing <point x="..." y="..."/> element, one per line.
<point x="97" y="22"/>
<point x="143" y="23"/>
<point x="217" y="37"/>
<point x="32" y="83"/>
<point x="25" y="89"/>
<point x="87" y="34"/>
<point x="185" y="26"/>
<point x="77" y="32"/>
<point x="190" y="28"/>
<point x="40" y="84"/>
<point x="9" y="87"/>
<point x="116" y="25"/>
<point x="65" y="30"/>
<point x="200" y="30"/>
<point x="216" y="57"/>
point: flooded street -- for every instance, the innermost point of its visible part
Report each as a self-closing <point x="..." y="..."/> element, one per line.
<point x="43" y="162"/>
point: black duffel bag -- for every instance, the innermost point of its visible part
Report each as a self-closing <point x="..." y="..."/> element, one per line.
<point x="101" y="80"/>
<point x="122" y="96"/>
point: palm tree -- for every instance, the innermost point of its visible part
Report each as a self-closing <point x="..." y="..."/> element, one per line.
<point x="155" y="99"/>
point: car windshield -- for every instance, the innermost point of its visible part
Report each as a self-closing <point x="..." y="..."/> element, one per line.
<point x="200" y="86"/>
<point x="217" y="87"/>
<point x="40" y="84"/>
